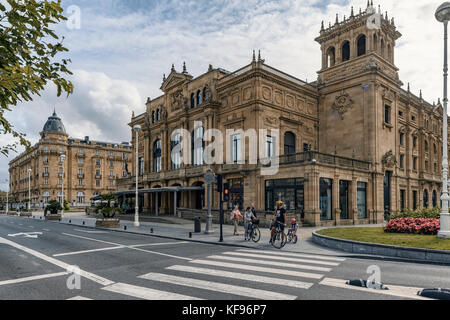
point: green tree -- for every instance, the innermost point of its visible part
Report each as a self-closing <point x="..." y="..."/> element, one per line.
<point x="28" y="49"/>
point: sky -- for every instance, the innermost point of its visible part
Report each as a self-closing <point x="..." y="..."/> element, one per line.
<point x="120" y="50"/>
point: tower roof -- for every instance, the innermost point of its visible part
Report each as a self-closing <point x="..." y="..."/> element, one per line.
<point x="54" y="125"/>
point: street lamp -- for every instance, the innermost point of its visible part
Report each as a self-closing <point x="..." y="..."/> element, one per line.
<point x="7" y="194"/>
<point x="443" y="15"/>
<point x="29" y="189"/>
<point x="62" y="157"/>
<point x="136" y="129"/>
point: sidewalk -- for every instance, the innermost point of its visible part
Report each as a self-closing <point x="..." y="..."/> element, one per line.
<point x="181" y="229"/>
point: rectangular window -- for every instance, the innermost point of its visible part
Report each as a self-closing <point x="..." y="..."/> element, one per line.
<point x="111" y="174"/>
<point x="46" y="170"/>
<point x="236" y="145"/>
<point x="80" y="152"/>
<point x="80" y="182"/>
<point x="290" y="191"/>
<point x="97" y="183"/>
<point x="387" y="114"/>
<point x="414" y="200"/>
<point x="402" y="161"/>
<point x="141" y="167"/>
<point x="326" y="192"/>
<point x="402" y="139"/>
<point x="97" y="173"/>
<point x="80" y="161"/>
<point x="414" y="163"/>
<point x="111" y="183"/>
<point x="361" y="200"/>
<point x="343" y="199"/>
<point x="98" y="162"/>
<point x="111" y="164"/>
<point x="402" y="200"/>
<point x="270" y="146"/>
<point x="46" y="181"/>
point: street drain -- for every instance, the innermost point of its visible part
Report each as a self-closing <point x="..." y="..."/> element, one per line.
<point x="437" y="293"/>
<point x="365" y="284"/>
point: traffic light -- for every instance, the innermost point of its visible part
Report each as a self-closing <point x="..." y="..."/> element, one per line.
<point x="226" y="192"/>
<point x="219" y="183"/>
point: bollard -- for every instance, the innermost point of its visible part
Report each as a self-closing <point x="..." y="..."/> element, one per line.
<point x="151" y="230"/>
<point x="190" y="235"/>
<point x="125" y="228"/>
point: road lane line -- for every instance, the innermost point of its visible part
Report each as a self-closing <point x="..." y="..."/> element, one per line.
<point x="218" y="287"/>
<point x="326" y="263"/>
<point x="146" y="293"/>
<point x="157" y="244"/>
<point x="258" y="269"/>
<point x="399" y="291"/>
<point x="93" y="232"/>
<point x="87" y="251"/>
<point x="272" y="263"/>
<point x="65" y="266"/>
<point x="291" y="254"/>
<point x="79" y="298"/>
<point x="34" y="278"/>
<point x="242" y="276"/>
<point x="130" y="247"/>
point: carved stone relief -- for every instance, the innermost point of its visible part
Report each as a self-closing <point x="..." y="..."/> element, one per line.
<point x="342" y="104"/>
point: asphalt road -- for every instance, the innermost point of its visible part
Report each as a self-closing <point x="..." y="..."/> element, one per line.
<point x="36" y="259"/>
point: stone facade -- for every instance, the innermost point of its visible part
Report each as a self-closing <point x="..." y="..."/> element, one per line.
<point x="91" y="168"/>
<point x="362" y="146"/>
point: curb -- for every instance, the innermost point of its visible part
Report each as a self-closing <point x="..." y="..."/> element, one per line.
<point x="372" y="249"/>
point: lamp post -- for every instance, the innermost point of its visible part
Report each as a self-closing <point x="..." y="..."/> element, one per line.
<point x="29" y="189"/>
<point x="7" y="194"/>
<point x="62" y="157"/>
<point x="443" y="15"/>
<point x="136" y="129"/>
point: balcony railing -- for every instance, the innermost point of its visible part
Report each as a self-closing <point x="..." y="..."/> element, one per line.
<point x="81" y="176"/>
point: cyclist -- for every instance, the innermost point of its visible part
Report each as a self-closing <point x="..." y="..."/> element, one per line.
<point x="248" y="222"/>
<point x="294" y="227"/>
<point x="280" y="220"/>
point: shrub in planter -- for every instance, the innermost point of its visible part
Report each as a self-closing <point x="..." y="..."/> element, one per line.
<point x="53" y="207"/>
<point x="420" y="226"/>
<point x="425" y="213"/>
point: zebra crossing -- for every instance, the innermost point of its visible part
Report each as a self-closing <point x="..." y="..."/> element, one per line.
<point x="241" y="273"/>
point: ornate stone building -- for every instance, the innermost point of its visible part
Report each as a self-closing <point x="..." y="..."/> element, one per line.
<point x="353" y="145"/>
<point x="91" y="168"/>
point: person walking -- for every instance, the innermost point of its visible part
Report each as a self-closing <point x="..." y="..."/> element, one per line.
<point x="248" y="221"/>
<point x="235" y="215"/>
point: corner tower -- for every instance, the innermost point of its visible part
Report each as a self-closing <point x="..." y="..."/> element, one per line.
<point x="357" y="80"/>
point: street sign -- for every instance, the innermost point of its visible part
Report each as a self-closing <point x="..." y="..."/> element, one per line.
<point x="33" y="235"/>
<point x="210" y="177"/>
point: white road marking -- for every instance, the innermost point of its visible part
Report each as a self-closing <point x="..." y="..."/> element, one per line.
<point x="399" y="291"/>
<point x="93" y="232"/>
<point x="130" y="247"/>
<point x="158" y="244"/>
<point x="79" y="298"/>
<point x="65" y="266"/>
<point x="258" y="269"/>
<point x="33" y="235"/>
<point x="34" y="278"/>
<point x="218" y="287"/>
<point x="291" y="254"/>
<point x="271" y="263"/>
<point x="326" y="263"/>
<point x="242" y="276"/>
<point x="145" y="293"/>
<point x="87" y="251"/>
<point x="48" y="230"/>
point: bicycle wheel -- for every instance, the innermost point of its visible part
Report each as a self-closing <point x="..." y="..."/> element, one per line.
<point x="289" y="238"/>
<point x="256" y="235"/>
<point x="295" y="240"/>
<point x="277" y="240"/>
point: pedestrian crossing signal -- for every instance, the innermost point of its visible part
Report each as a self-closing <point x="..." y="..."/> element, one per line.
<point x="226" y="192"/>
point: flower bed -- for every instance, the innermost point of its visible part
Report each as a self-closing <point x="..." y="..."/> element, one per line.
<point x="413" y="225"/>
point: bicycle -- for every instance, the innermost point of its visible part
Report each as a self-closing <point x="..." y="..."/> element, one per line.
<point x="254" y="233"/>
<point x="277" y="239"/>
<point x="292" y="237"/>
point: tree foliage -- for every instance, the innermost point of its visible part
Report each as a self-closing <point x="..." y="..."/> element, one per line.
<point x="28" y="49"/>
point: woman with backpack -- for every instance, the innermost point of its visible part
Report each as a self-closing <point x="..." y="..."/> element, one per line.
<point x="235" y="216"/>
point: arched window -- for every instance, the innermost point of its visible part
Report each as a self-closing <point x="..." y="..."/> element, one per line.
<point x="153" y="117"/>
<point x="192" y="101"/>
<point x="434" y="148"/>
<point x="289" y="143"/>
<point x="46" y="197"/>
<point x="157" y="152"/>
<point x="157" y="115"/>
<point x="389" y="52"/>
<point x="434" y="199"/>
<point x="382" y="48"/>
<point x="331" y="57"/>
<point x="204" y="94"/>
<point x="346" y="51"/>
<point x="176" y="154"/>
<point x="426" y="147"/>
<point x="80" y="197"/>
<point x="198" y="146"/>
<point x="425" y="199"/>
<point x="361" y="44"/>
<point x="199" y="97"/>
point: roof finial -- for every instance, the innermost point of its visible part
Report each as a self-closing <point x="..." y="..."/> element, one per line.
<point x="259" y="55"/>
<point x="323" y="27"/>
<point x="184" y="67"/>
<point x="173" y="67"/>
<point x="164" y="77"/>
<point x="379" y="9"/>
<point x="368" y="4"/>
<point x="337" y="18"/>
<point x="54" y="111"/>
<point x="393" y="22"/>
<point x="409" y="89"/>
<point x="360" y="11"/>
<point x="254" y="56"/>
<point x="352" y="14"/>
<point x="420" y="94"/>
<point x="439" y="101"/>
<point x="371" y="3"/>
<point x="386" y="16"/>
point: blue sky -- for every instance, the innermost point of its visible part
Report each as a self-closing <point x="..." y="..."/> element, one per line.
<point x="124" y="47"/>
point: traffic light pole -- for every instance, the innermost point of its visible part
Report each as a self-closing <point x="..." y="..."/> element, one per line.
<point x="221" y="216"/>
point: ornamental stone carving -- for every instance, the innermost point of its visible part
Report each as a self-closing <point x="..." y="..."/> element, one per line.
<point x="342" y="104"/>
<point x="389" y="160"/>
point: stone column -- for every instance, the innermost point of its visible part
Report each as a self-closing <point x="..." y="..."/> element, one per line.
<point x="312" y="198"/>
<point x="336" y="213"/>
<point x="353" y="202"/>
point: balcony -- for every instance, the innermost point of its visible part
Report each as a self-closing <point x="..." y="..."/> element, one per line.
<point x="112" y="177"/>
<point x="81" y="156"/>
<point x="46" y="175"/>
<point x="80" y="176"/>
<point x="98" y="177"/>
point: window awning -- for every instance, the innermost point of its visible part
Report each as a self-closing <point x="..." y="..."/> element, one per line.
<point x="158" y="190"/>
